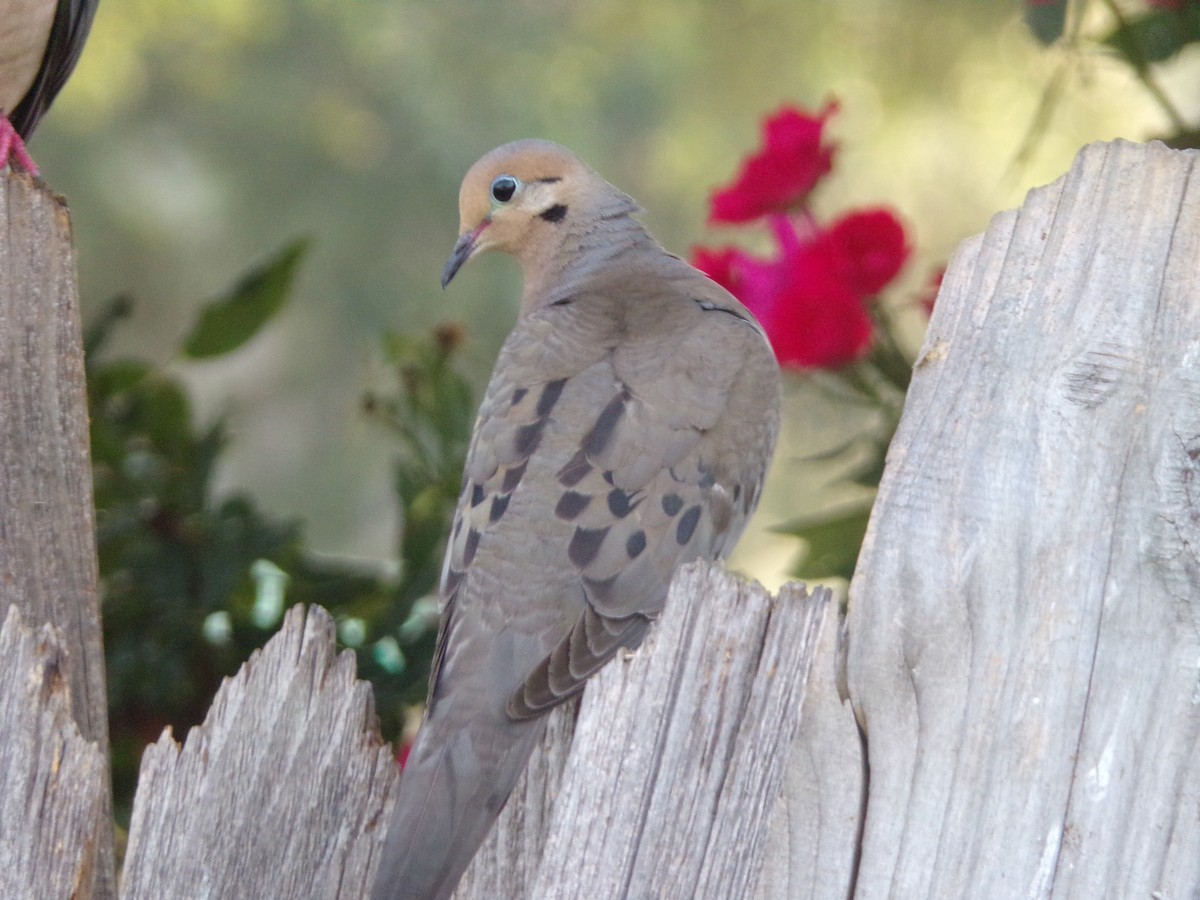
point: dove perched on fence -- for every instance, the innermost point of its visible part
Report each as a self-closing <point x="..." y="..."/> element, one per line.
<point x="40" y="42"/>
<point x="626" y="430"/>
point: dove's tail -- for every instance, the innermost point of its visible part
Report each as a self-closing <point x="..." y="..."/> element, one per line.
<point x="455" y="782"/>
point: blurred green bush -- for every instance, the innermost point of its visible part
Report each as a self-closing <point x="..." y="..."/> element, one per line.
<point x="192" y="582"/>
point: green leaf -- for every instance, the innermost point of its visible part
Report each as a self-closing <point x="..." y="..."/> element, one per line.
<point x="1156" y="36"/>
<point x="832" y="541"/>
<point x="229" y="321"/>
<point x="1046" y="20"/>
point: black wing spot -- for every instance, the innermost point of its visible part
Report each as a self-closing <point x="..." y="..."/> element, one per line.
<point x="636" y="544"/>
<point x="672" y="504"/>
<point x="519" y="395"/>
<point x="571" y="504"/>
<point x="550" y="394"/>
<point x="512" y="477"/>
<point x="499" y="506"/>
<point x="477" y="494"/>
<point x="621" y="503"/>
<point x="471" y="546"/>
<point x="585" y="545"/>
<point x="528" y="437"/>
<point x="555" y="213"/>
<point x="687" y="525"/>
<point x="576" y="469"/>
<point x="606" y="424"/>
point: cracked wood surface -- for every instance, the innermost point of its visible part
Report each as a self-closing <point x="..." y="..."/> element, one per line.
<point x="677" y="758"/>
<point x="52" y="779"/>
<point x="1024" y="623"/>
<point x="47" y="528"/>
<point x="281" y="792"/>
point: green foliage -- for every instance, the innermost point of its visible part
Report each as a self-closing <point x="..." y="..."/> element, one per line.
<point x="831" y="541"/>
<point x="1146" y="36"/>
<point x="193" y="583"/>
<point x="1155" y="35"/>
<point x="429" y="413"/>
<point x="229" y="321"/>
<point x="1046" y="20"/>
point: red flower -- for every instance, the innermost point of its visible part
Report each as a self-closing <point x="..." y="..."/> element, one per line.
<point x="783" y="172"/>
<point x="811" y="313"/>
<point x="867" y="248"/>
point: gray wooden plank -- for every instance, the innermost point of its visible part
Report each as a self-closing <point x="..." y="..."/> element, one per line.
<point x="680" y="747"/>
<point x="1024" y="622"/>
<point x="281" y="792"/>
<point x="816" y="823"/>
<point x="47" y="538"/>
<point x="52" y="779"/>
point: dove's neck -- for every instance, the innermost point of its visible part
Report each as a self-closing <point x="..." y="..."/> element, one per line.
<point x="587" y="249"/>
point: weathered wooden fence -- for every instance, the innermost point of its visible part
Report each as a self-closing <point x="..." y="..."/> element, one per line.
<point x="53" y="713"/>
<point x="1011" y="708"/>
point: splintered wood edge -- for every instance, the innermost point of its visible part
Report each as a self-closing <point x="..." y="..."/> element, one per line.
<point x="52" y="779"/>
<point x="680" y="746"/>
<point x="282" y="791"/>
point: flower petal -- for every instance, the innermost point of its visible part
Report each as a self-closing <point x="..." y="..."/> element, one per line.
<point x="781" y="174"/>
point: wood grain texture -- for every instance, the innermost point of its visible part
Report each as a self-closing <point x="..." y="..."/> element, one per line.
<point x="1025" y="618"/>
<point x="282" y="792"/>
<point x="815" y="826"/>
<point x="47" y="530"/>
<point x="677" y="757"/>
<point x="680" y="748"/>
<point x="53" y="780"/>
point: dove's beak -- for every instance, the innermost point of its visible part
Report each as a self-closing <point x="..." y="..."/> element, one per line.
<point x="463" y="248"/>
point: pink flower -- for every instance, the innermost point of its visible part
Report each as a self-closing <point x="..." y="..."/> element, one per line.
<point x="812" y="315"/>
<point x="783" y="172"/>
<point x="867" y="248"/>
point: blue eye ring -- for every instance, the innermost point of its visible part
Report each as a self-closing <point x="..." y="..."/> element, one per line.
<point x="503" y="188"/>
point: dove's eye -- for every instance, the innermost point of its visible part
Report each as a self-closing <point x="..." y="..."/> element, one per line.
<point x="504" y="187"/>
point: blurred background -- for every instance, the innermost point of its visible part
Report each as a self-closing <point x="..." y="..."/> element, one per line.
<point x="199" y="137"/>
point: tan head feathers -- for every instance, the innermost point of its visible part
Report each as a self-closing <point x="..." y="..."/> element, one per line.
<point x="513" y="198"/>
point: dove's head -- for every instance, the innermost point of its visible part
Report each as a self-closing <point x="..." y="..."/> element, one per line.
<point x="517" y="199"/>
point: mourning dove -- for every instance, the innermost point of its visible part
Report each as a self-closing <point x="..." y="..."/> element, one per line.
<point x="626" y="430"/>
<point x="40" y="42"/>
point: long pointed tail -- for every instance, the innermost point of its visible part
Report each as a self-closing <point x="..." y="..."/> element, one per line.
<point x="455" y="782"/>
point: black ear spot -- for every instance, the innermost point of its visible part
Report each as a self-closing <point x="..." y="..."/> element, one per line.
<point x="555" y="213"/>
